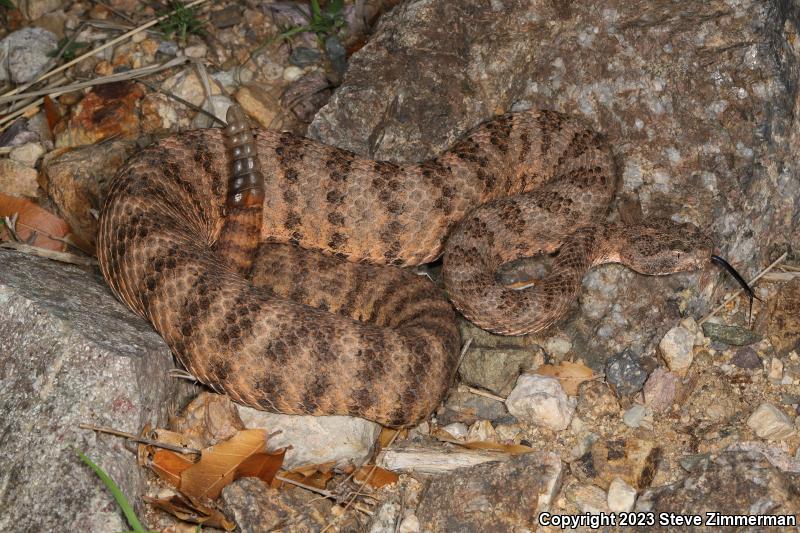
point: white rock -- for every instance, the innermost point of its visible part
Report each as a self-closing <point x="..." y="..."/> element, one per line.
<point x="458" y="430"/>
<point x="315" y="439"/>
<point x="558" y="345"/>
<point x="24" y="54"/>
<point x="27" y="154"/>
<point x="197" y="51"/>
<point x="677" y="349"/>
<point x="410" y="524"/>
<point x="292" y="73"/>
<point x="621" y="496"/>
<point x="635" y="416"/>
<point x="540" y="401"/>
<point x="769" y="422"/>
<point x="775" y="370"/>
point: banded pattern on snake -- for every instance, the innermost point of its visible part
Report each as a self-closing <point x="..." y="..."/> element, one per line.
<point x="287" y="295"/>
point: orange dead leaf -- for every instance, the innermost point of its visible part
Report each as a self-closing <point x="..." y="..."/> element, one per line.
<point x="243" y="454"/>
<point x="570" y="375"/>
<point x="387" y="434"/>
<point x="31" y="220"/>
<point x="380" y="477"/>
<point x="192" y="511"/>
<point x="513" y="449"/>
<point x="169" y="466"/>
<point x="52" y="112"/>
<point x="316" y="476"/>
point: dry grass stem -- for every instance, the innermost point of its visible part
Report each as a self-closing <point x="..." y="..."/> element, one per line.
<point x="142" y="440"/>
<point x="63" y="257"/>
<point x="479" y="392"/>
<point x="110" y="43"/>
<point x="122" y="76"/>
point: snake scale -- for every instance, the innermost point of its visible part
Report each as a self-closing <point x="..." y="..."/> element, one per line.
<point x="287" y="296"/>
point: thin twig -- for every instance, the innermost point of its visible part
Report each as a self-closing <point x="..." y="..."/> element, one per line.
<point x="322" y="492"/>
<point x="112" y="42"/>
<point x="121" y="76"/>
<point x="63" y="257"/>
<point x="11" y="225"/>
<point x="739" y="291"/>
<point x="141" y="440"/>
<point x="479" y="392"/>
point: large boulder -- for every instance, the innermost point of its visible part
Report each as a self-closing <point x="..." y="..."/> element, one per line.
<point x="698" y="100"/>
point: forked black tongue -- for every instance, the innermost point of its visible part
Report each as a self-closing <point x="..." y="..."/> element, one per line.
<point x="739" y="279"/>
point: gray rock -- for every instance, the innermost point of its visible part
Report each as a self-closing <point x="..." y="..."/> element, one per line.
<point x="495" y="369"/>
<point x="500" y="497"/>
<point x="746" y="358"/>
<point x="463" y="406"/>
<point x="23" y="54"/>
<point x="259" y="508"/>
<point x="710" y="99"/>
<point x="731" y="335"/>
<point x="625" y="373"/>
<point x="303" y="56"/>
<point x="732" y="483"/>
<point x="336" y="53"/>
<point x="635" y="415"/>
<point x="72" y="354"/>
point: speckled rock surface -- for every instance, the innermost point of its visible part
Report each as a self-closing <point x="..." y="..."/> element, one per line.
<point x="698" y="101"/>
<point x="739" y="483"/>
<point x="493" y="496"/>
<point x="70" y="354"/>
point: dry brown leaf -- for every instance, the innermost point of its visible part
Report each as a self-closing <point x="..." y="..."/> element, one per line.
<point x="513" y="449"/>
<point x="387" y="434"/>
<point x="380" y="477"/>
<point x="222" y="463"/>
<point x="192" y="511"/>
<point x="570" y="375"/>
<point x="32" y="219"/>
<point x="316" y="476"/>
<point x="169" y="466"/>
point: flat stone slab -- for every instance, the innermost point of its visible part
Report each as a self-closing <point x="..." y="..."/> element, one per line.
<point x="70" y="354"/>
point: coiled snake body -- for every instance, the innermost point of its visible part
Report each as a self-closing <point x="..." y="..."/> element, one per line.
<point x="283" y="299"/>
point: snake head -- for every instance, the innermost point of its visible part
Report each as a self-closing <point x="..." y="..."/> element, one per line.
<point x="665" y="247"/>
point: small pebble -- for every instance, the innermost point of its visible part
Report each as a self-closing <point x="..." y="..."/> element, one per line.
<point x="336" y="53"/>
<point x="303" y="56"/>
<point x="410" y="524"/>
<point x="660" y="389"/>
<point x="770" y="423"/>
<point x="541" y="401"/>
<point x="730" y="335"/>
<point x="677" y="349"/>
<point x="227" y="17"/>
<point x="482" y="431"/>
<point x="689" y="462"/>
<point x="775" y="370"/>
<point x="588" y="498"/>
<point x="625" y="373"/>
<point x="558" y="346"/>
<point x="457" y="430"/>
<point x="168" y="48"/>
<point x="292" y="73"/>
<point x="197" y="51"/>
<point x="634" y="416"/>
<point x="621" y="496"/>
<point x="746" y="358"/>
<point x="27" y="154"/>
